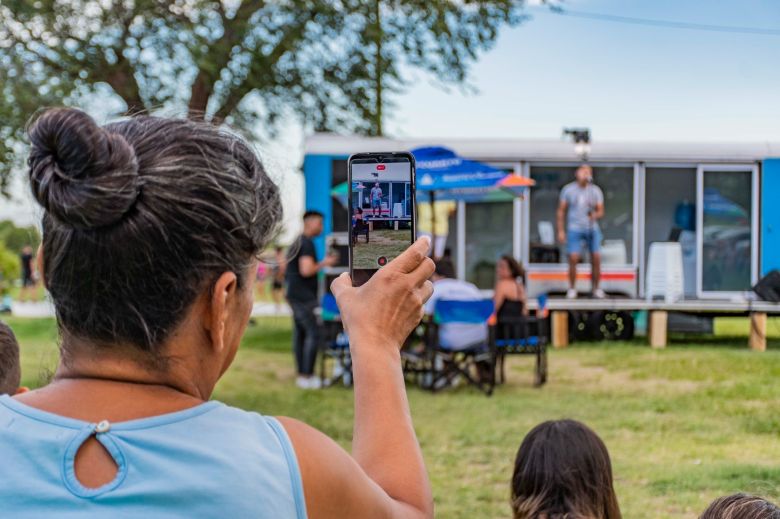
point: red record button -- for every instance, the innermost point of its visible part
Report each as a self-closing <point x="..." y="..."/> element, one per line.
<point x="382" y="261"/>
<point x="380" y="167"/>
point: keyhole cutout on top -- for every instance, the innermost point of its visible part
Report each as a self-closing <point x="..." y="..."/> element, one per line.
<point x="94" y="465"/>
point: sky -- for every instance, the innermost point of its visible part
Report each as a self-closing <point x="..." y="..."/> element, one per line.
<point x="623" y="81"/>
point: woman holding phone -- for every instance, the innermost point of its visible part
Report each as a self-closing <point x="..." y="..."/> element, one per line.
<point x="126" y="427"/>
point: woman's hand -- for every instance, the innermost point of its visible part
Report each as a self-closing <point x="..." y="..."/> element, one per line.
<point x="385" y="310"/>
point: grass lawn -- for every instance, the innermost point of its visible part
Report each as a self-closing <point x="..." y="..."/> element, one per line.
<point x="683" y="425"/>
<point x="384" y="242"/>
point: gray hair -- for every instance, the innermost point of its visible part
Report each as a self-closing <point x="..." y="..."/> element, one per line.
<point x="141" y="216"/>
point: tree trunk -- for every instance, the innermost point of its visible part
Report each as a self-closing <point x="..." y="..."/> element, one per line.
<point x="201" y="91"/>
<point x="378" y="71"/>
<point x="122" y="80"/>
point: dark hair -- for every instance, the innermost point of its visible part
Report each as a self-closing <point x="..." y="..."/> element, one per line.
<point x="741" y="506"/>
<point x="10" y="370"/>
<point x="515" y="267"/>
<point x="141" y="216"/>
<point x="444" y="268"/>
<point x="562" y="471"/>
<point x="312" y="213"/>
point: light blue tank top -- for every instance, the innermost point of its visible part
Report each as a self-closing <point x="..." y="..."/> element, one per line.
<point x="211" y="460"/>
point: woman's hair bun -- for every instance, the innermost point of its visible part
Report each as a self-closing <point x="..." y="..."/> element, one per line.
<point x="81" y="174"/>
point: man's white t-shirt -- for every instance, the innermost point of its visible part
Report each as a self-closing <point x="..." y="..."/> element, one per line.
<point x="457" y="336"/>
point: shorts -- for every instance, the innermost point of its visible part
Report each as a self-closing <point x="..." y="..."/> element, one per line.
<point x="376" y="204"/>
<point x="591" y="238"/>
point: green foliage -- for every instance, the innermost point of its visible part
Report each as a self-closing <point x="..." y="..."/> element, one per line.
<point x="332" y="63"/>
<point x="15" y="238"/>
<point x="10" y="267"/>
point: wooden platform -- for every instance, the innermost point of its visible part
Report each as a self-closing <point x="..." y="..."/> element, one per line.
<point x="658" y="314"/>
<point x="371" y="219"/>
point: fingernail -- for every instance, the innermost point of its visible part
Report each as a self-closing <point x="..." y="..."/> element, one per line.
<point x="426" y="238"/>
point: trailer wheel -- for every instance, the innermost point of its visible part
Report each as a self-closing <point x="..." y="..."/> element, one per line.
<point x="611" y="326"/>
<point x="579" y="328"/>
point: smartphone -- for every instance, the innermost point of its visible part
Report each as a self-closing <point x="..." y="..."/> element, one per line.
<point x="382" y="210"/>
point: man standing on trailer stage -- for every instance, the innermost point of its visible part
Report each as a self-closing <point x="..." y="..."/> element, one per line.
<point x="376" y="200"/>
<point x="582" y="205"/>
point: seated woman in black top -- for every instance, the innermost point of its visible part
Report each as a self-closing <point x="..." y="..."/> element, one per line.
<point x="509" y="298"/>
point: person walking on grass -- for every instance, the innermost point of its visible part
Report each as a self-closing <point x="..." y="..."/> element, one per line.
<point x="301" y="275"/>
<point x="278" y="270"/>
<point x="581" y="206"/>
<point x="28" y="274"/>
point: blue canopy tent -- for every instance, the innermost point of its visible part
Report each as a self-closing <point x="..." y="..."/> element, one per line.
<point x="441" y="172"/>
<point x="440" y="169"/>
<point x="719" y="206"/>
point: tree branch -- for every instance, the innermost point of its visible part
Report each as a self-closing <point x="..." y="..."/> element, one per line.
<point x="246" y="85"/>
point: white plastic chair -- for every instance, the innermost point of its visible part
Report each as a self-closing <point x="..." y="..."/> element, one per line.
<point x="665" y="272"/>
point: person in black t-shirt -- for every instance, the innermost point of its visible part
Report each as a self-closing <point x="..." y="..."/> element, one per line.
<point x="301" y="276"/>
<point x="28" y="274"/>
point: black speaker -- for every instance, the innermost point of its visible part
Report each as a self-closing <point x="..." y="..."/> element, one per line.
<point x="768" y="287"/>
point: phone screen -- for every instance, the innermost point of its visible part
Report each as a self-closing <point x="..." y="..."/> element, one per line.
<point x="382" y="211"/>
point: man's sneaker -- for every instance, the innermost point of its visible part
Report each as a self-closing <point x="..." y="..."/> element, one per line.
<point x="571" y="293"/>
<point x="599" y="294"/>
<point x="309" y="382"/>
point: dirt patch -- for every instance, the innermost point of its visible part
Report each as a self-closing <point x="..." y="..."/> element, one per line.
<point x="573" y="371"/>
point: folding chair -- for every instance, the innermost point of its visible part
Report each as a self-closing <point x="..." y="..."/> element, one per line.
<point x="476" y="363"/>
<point x="523" y="335"/>
<point x="360" y="227"/>
<point x="334" y="344"/>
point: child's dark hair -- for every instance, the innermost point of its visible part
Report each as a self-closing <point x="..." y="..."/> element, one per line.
<point x="741" y="506"/>
<point x="445" y="268"/>
<point x="141" y="216"/>
<point x="563" y="471"/>
<point x="10" y="369"/>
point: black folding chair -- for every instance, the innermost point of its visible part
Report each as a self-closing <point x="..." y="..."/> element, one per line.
<point x="523" y="335"/>
<point x="334" y="345"/>
<point x="475" y="364"/>
<point x="360" y="227"/>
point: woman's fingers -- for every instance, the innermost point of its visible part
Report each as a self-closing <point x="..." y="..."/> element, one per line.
<point x="340" y="284"/>
<point x="424" y="271"/>
<point x="426" y="290"/>
<point x="411" y="258"/>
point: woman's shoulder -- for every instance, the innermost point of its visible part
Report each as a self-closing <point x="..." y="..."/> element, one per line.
<point x="505" y="284"/>
<point x="223" y="411"/>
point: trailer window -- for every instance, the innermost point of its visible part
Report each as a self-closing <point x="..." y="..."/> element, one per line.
<point x="617" y="226"/>
<point x="488" y="237"/>
<point x="339" y="213"/>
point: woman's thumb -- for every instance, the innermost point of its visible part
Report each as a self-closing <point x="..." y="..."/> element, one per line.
<point x="340" y="284"/>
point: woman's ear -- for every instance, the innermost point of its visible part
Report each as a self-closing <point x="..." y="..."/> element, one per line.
<point x="218" y="309"/>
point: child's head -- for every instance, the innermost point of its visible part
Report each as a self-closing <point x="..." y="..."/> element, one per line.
<point x="10" y="371"/>
<point x="563" y="469"/>
<point x="741" y="506"/>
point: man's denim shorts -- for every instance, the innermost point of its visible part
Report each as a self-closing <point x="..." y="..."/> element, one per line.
<point x="575" y="239"/>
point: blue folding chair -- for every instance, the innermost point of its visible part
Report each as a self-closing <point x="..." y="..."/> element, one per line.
<point x="474" y="363"/>
<point x="523" y="335"/>
<point x="334" y="343"/>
